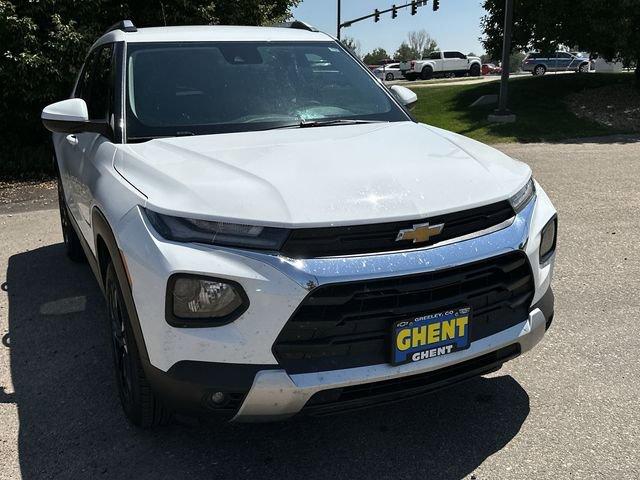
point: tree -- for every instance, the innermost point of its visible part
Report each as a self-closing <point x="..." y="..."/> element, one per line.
<point x="43" y="44"/>
<point x="515" y="61"/>
<point x="405" y="52"/>
<point x="376" y="56"/>
<point x="353" y="45"/>
<point x="607" y="28"/>
<point x="421" y="42"/>
<point x="431" y="47"/>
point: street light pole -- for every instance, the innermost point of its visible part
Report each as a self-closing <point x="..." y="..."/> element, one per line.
<point x="502" y="114"/>
<point x="338" y="35"/>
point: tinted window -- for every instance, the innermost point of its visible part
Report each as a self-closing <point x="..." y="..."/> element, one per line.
<point x="81" y="88"/>
<point x="454" y="55"/>
<point x="218" y="87"/>
<point x="564" y="55"/>
<point x="96" y="83"/>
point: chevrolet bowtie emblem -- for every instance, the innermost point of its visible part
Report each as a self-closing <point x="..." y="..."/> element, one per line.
<point x="420" y="233"/>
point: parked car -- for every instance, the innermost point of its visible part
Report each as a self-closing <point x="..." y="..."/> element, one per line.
<point x="389" y="72"/>
<point x="541" y="63"/>
<point x="491" y="69"/>
<point x="259" y="253"/>
<point x="440" y="64"/>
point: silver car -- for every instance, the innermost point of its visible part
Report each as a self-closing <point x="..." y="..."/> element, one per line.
<point x="389" y="72"/>
<point x="541" y="63"/>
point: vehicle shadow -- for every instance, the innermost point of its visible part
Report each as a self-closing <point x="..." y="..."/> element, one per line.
<point x="71" y="425"/>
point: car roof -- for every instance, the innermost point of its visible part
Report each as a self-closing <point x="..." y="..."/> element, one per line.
<point x="215" y="33"/>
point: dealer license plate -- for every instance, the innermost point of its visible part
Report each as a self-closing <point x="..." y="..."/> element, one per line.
<point x="430" y="336"/>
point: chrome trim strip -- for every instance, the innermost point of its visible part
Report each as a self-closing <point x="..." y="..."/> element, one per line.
<point x="312" y="272"/>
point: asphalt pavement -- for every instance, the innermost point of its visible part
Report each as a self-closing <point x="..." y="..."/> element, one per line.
<point x="569" y="409"/>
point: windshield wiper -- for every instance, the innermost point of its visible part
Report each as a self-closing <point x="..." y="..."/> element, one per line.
<point x="335" y="121"/>
<point x="324" y="123"/>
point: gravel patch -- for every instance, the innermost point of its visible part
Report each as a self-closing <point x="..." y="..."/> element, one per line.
<point x="16" y="197"/>
<point x="616" y="106"/>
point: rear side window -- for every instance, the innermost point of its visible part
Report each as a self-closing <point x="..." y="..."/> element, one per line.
<point x="455" y="55"/>
<point x="434" y="56"/>
<point x="96" y="83"/>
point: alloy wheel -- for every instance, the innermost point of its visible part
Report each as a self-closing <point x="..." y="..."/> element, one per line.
<point x="121" y="352"/>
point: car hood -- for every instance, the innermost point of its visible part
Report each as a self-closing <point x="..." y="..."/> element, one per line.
<point x="333" y="175"/>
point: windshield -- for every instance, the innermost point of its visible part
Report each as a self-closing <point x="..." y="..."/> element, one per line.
<point x="196" y="88"/>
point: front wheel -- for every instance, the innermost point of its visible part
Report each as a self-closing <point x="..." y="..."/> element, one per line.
<point x="140" y="404"/>
<point x="475" y="70"/>
<point x="389" y="77"/>
<point x="584" y="68"/>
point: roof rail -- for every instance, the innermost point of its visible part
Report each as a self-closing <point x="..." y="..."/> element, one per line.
<point x="124" y="25"/>
<point x="298" y="24"/>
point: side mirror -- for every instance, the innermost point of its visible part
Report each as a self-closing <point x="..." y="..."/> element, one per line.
<point x="405" y="96"/>
<point x="72" y="116"/>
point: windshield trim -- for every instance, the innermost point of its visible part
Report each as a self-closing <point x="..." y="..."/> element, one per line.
<point x="197" y="130"/>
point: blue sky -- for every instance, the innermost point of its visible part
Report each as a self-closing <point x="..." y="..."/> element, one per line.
<point x="456" y="26"/>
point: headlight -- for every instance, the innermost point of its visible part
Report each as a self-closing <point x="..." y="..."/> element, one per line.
<point x="548" y="239"/>
<point x="217" y="233"/>
<point x="521" y="199"/>
<point x="195" y="301"/>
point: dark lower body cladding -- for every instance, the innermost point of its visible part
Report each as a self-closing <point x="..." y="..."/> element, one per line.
<point x="204" y="389"/>
<point x="194" y="388"/>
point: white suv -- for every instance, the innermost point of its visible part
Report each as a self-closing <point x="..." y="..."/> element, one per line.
<point x="259" y="253"/>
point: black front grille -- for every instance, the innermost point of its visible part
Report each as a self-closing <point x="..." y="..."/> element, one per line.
<point x="381" y="237"/>
<point x="349" y="324"/>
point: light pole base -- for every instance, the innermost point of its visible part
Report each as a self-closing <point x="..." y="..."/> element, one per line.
<point x="505" y="117"/>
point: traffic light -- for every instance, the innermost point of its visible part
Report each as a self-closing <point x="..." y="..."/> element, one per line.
<point x="436" y="5"/>
<point x="377" y="15"/>
<point x="414" y="7"/>
<point x="394" y="12"/>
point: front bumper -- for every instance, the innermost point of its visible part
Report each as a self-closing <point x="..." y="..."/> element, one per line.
<point x="275" y="395"/>
<point x="276" y="286"/>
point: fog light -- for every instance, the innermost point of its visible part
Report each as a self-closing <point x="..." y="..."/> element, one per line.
<point x="201" y="301"/>
<point x="218" y="398"/>
<point x="548" y="239"/>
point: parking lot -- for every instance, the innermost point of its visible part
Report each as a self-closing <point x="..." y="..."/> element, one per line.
<point x="569" y="409"/>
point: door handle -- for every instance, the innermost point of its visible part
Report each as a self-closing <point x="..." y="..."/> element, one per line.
<point x="72" y="139"/>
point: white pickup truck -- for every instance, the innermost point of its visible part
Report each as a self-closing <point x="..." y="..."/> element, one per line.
<point x="441" y="64"/>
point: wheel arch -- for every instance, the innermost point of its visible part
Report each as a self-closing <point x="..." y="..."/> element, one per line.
<point x="108" y="251"/>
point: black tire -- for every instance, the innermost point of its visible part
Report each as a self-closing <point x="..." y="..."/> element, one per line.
<point x="475" y="70"/>
<point x="539" y="70"/>
<point x="584" y="68"/>
<point x="140" y="404"/>
<point x="389" y="77"/>
<point x="72" y="244"/>
<point x="427" y="73"/>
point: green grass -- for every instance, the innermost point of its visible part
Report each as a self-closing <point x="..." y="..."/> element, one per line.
<point x="538" y="102"/>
